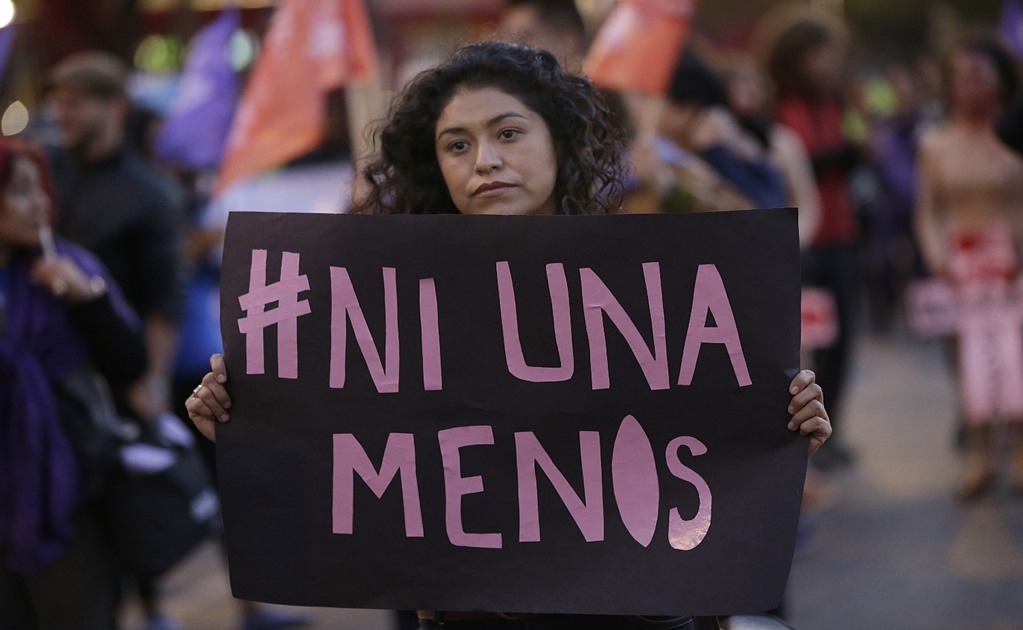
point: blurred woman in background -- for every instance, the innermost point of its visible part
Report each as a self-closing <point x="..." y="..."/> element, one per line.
<point x="63" y="321"/>
<point x="807" y="62"/>
<point x="971" y="183"/>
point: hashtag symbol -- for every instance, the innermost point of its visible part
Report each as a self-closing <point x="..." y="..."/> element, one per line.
<point x="285" y="316"/>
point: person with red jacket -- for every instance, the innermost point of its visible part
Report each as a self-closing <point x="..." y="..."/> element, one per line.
<point x="806" y="62"/>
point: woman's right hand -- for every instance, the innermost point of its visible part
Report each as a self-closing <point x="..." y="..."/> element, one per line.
<point x="66" y="281"/>
<point x="209" y="402"/>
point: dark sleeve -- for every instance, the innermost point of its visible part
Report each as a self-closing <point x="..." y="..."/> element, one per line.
<point x="1010" y="126"/>
<point x="116" y="346"/>
<point x="158" y="245"/>
<point x="62" y="176"/>
<point x="842" y="160"/>
<point x="758" y="180"/>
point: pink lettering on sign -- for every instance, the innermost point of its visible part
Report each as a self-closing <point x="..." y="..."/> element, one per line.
<point x="709" y="297"/>
<point x="598" y="300"/>
<point x="456" y="486"/>
<point x="558" y="285"/>
<point x="285" y="316"/>
<point x="351" y="458"/>
<point x="345" y="307"/>
<point x="428" y="323"/>
<point x="687" y="534"/>
<point x="634" y="478"/>
<point x="587" y="513"/>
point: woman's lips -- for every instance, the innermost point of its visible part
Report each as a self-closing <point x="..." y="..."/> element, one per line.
<point x="490" y="189"/>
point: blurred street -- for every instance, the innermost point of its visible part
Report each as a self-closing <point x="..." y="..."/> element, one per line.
<point x="890" y="547"/>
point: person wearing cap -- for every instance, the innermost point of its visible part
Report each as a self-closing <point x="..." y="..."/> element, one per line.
<point x="115" y="204"/>
<point x="133" y="217"/>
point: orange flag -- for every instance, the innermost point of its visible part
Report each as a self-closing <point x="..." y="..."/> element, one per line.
<point x="311" y="47"/>
<point x="637" y="48"/>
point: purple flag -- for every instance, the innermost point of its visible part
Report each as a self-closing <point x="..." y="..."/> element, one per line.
<point x="1011" y="26"/>
<point x="6" y="41"/>
<point x="195" y="130"/>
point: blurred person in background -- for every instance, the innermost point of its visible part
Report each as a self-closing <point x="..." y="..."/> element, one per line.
<point x="806" y="61"/>
<point x="63" y="323"/>
<point x="701" y="159"/>
<point x="554" y="25"/>
<point x="969" y="180"/>
<point x="114" y="203"/>
<point x="748" y="99"/>
<point x="894" y="255"/>
<point x="698" y="119"/>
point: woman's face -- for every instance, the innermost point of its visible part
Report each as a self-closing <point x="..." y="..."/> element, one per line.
<point x="496" y="154"/>
<point x="824" y="67"/>
<point x="974" y="83"/>
<point x="746" y="90"/>
<point x="24" y="207"/>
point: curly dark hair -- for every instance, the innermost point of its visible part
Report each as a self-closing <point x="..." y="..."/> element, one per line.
<point x="405" y="177"/>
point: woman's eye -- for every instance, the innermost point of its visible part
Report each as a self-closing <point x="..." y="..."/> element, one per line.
<point x="508" y="134"/>
<point x="458" y="146"/>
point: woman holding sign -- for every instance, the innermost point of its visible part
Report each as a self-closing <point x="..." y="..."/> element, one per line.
<point x="502" y="129"/>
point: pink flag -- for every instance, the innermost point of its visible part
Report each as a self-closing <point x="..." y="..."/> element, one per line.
<point x="311" y="47"/>
<point x="637" y="48"/>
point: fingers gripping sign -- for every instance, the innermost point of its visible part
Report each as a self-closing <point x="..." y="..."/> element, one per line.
<point x="209" y="402"/>
<point x="809" y="417"/>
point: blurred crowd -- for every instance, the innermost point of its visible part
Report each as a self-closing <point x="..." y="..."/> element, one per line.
<point x="904" y="170"/>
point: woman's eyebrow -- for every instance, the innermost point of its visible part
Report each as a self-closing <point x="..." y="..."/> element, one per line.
<point x="491" y="122"/>
<point x="501" y="117"/>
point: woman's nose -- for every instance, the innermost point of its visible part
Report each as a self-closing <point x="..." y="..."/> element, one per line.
<point x="488" y="158"/>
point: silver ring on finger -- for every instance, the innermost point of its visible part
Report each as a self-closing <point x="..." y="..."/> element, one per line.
<point x="195" y="392"/>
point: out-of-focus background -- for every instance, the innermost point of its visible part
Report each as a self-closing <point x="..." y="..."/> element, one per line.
<point x="880" y="121"/>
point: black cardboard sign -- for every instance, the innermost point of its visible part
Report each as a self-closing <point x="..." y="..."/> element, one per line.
<point x="528" y="414"/>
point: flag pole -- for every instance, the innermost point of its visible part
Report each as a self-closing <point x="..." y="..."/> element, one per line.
<point x="364" y="100"/>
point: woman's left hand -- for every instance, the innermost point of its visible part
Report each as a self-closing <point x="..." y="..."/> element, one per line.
<point x="809" y="416"/>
